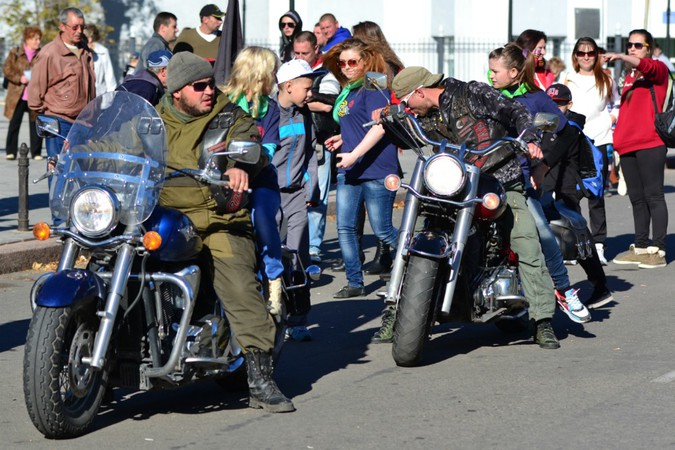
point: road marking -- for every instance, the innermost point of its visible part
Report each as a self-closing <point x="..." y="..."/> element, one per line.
<point x="667" y="378"/>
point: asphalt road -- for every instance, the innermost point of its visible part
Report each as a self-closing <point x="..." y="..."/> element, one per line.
<point x="611" y="385"/>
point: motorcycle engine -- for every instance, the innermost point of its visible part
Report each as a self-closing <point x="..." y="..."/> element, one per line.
<point x="498" y="289"/>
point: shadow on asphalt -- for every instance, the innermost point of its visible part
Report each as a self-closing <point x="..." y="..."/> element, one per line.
<point x="13" y="334"/>
<point x="10" y="205"/>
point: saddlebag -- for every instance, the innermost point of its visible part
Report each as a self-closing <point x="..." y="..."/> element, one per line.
<point x="574" y="242"/>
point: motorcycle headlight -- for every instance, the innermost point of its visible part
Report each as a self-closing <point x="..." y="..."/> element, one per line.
<point x="94" y="211"/>
<point x="444" y="175"/>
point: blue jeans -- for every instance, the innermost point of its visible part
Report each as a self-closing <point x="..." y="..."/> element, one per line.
<point x="265" y="202"/>
<point x="54" y="146"/>
<point x="317" y="214"/>
<point x="549" y="246"/>
<point x="379" y="204"/>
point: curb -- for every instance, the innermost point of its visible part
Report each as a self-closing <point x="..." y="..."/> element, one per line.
<point x="20" y="256"/>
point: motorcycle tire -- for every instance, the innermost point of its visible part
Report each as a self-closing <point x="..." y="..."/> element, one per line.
<point x="62" y="395"/>
<point x="414" y="315"/>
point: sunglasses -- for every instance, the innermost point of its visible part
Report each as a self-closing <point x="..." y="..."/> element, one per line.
<point x="591" y="54"/>
<point x="351" y="63"/>
<point x="200" y="86"/>
<point x="290" y="25"/>
<point x="407" y="97"/>
<point x="75" y="27"/>
<point x="637" y="45"/>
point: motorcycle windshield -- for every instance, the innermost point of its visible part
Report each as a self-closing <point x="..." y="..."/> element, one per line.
<point x="118" y="141"/>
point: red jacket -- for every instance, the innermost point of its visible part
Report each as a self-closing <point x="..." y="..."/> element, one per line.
<point x="635" y="128"/>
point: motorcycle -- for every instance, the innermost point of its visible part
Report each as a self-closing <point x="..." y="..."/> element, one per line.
<point x="458" y="266"/>
<point x="143" y="314"/>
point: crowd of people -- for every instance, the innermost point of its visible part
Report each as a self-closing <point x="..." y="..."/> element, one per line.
<point x="307" y="106"/>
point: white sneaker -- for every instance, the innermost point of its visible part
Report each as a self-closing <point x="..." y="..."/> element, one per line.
<point x="570" y="262"/>
<point x="572" y="306"/>
<point x="601" y="253"/>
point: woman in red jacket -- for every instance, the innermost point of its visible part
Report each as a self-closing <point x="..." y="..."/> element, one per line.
<point x="643" y="154"/>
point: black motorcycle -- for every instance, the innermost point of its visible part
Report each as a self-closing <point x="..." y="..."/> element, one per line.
<point x="457" y="266"/>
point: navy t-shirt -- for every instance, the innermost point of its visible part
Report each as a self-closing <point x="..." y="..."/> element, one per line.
<point x="354" y="111"/>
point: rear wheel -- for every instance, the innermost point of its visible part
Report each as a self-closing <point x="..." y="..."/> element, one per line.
<point x="414" y="315"/>
<point x="62" y="394"/>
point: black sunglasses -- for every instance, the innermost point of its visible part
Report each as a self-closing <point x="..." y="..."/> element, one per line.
<point x="637" y="45"/>
<point x="290" y="25"/>
<point x="200" y="86"/>
<point x="591" y="54"/>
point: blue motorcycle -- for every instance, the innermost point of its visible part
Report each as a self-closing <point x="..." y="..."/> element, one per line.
<point x="142" y="314"/>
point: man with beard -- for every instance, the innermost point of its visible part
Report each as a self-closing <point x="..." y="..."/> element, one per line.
<point x="192" y="110"/>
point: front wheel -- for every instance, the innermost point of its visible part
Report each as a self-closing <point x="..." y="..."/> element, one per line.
<point x="62" y="394"/>
<point x="414" y="316"/>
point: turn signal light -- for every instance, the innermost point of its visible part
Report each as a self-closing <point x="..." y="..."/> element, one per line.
<point x="152" y="240"/>
<point x="491" y="201"/>
<point x="41" y="231"/>
<point x="392" y="183"/>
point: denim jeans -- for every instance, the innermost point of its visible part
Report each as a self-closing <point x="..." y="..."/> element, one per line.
<point x="54" y="146"/>
<point x="549" y="246"/>
<point x="265" y="202"/>
<point x="317" y="214"/>
<point x="379" y="204"/>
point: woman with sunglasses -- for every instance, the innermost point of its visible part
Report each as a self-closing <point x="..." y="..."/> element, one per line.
<point x="596" y="97"/>
<point x="290" y="25"/>
<point x="366" y="156"/>
<point x="643" y="153"/>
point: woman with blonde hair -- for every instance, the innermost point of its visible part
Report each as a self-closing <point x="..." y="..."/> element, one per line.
<point x="251" y="82"/>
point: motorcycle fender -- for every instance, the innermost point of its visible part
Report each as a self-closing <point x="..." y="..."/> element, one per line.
<point x="431" y="244"/>
<point x="69" y="287"/>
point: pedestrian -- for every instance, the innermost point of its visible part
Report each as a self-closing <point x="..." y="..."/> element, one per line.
<point x="365" y="158"/>
<point x="658" y="54"/>
<point x="563" y="179"/>
<point x="60" y="73"/>
<point x="320" y="38"/>
<point x="131" y="64"/>
<point x="596" y="98"/>
<point x="643" y="153"/>
<point x="149" y="83"/>
<point x="332" y="31"/>
<point x="535" y="41"/>
<point x="103" y="69"/>
<point x="325" y="89"/>
<point x="290" y="24"/>
<point x="483" y="108"/>
<point x="204" y="40"/>
<point x="17" y="72"/>
<point x="189" y="110"/>
<point x="165" y="28"/>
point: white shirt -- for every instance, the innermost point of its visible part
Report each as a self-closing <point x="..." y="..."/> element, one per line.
<point x="587" y="101"/>
<point x="103" y="69"/>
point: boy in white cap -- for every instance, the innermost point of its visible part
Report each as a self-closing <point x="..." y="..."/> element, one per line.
<point x="295" y="160"/>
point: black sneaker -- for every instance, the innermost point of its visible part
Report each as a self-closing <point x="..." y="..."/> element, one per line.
<point x="544" y="335"/>
<point x="385" y="334"/>
<point x="599" y="298"/>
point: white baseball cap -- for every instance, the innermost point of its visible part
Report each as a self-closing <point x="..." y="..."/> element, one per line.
<point x="296" y="68"/>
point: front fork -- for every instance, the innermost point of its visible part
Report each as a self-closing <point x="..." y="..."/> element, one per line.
<point x="459" y="237"/>
<point x="118" y="284"/>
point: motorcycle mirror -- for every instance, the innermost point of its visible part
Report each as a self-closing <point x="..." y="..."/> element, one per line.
<point x="546" y="121"/>
<point x="246" y="152"/>
<point x="375" y="81"/>
<point x="47" y="127"/>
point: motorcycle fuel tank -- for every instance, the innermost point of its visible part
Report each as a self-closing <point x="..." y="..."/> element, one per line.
<point x="180" y="241"/>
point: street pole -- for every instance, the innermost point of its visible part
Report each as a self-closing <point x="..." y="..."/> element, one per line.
<point x="23" y="188"/>
<point x="667" y="48"/>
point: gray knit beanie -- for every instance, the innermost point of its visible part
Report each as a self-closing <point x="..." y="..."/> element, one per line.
<point x="184" y="68"/>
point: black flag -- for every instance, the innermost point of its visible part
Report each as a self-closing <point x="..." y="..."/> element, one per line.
<point x="231" y="42"/>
